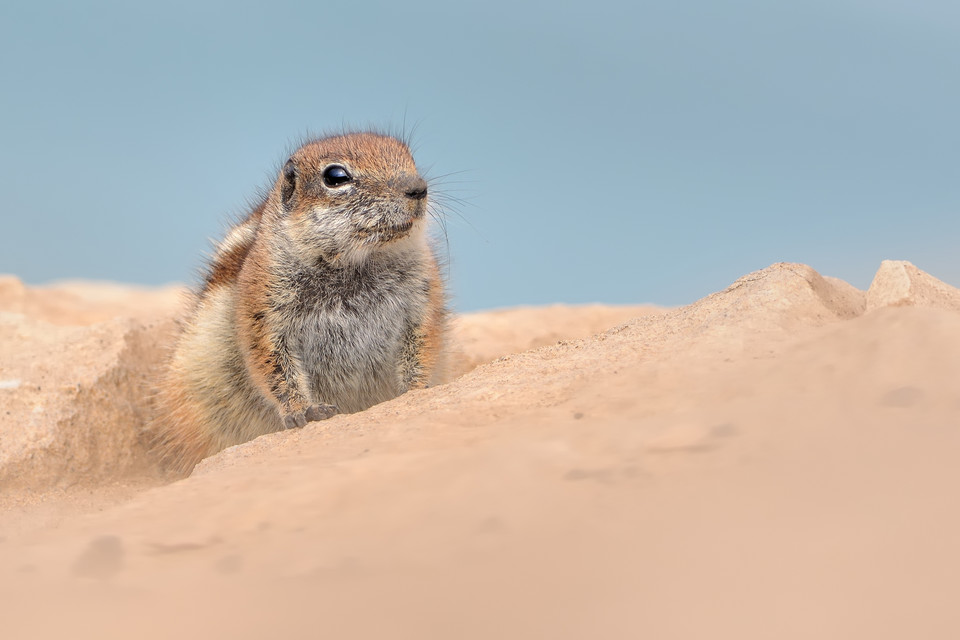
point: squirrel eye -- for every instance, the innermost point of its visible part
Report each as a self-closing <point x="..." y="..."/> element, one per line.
<point x="335" y="175"/>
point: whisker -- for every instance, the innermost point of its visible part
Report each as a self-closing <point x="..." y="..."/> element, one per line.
<point x="447" y="175"/>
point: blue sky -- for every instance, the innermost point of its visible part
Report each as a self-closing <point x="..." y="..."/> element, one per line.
<point x="606" y="151"/>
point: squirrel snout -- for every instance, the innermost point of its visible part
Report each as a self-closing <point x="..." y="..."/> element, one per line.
<point x="414" y="188"/>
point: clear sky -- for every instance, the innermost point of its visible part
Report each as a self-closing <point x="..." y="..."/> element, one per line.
<point x="618" y="152"/>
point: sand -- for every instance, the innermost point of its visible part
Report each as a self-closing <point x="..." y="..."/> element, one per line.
<point x="777" y="460"/>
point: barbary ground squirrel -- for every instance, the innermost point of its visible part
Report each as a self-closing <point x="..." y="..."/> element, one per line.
<point x="326" y="298"/>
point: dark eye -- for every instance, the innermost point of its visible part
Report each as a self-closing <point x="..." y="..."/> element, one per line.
<point x="335" y="175"/>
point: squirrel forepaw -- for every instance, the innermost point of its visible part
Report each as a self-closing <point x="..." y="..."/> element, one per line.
<point x="317" y="412"/>
<point x="313" y="413"/>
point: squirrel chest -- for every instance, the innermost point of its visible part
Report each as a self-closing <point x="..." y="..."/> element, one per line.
<point x="348" y="327"/>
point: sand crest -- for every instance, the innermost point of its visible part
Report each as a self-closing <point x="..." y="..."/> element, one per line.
<point x="775" y="460"/>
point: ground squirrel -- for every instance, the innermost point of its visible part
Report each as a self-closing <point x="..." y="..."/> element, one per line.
<point x="326" y="298"/>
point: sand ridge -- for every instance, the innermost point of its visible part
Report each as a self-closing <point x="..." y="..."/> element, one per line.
<point x="777" y="459"/>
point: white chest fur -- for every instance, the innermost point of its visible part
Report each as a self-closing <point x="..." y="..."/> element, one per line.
<point x="350" y="328"/>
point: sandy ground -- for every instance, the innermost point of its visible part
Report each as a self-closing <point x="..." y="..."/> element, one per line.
<point x="777" y="460"/>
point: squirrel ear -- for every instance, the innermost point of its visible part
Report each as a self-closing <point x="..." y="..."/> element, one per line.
<point x="289" y="182"/>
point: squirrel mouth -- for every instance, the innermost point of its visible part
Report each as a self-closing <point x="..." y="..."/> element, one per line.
<point x="401" y="228"/>
<point x="387" y="232"/>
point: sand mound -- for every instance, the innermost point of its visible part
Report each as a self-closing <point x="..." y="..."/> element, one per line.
<point x="80" y="360"/>
<point x="775" y="460"/>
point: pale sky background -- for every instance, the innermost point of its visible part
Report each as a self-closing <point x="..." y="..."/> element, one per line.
<point x="617" y="152"/>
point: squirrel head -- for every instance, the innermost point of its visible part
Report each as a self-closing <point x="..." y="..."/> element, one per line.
<point x="346" y="197"/>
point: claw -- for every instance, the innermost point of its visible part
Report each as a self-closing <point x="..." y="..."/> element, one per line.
<point x="314" y="413"/>
<point x="319" y="412"/>
<point x="294" y="421"/>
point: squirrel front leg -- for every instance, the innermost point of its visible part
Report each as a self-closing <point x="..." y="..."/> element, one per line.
<point x="275" y="369"/>
<point x="410" y="366"/>
<point x="288" y="385"/>
<point x="422" y="343"/>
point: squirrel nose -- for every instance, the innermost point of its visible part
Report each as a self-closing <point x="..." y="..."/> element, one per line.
<point x="415" y="188"/>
